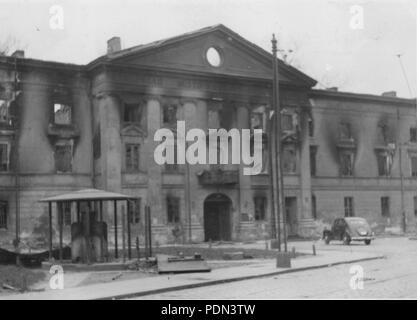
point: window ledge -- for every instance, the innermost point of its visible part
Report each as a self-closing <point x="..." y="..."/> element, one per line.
<point x="63" y="131"/>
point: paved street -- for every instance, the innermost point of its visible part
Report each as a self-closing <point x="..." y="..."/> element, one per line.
<point x="393" y="277"/>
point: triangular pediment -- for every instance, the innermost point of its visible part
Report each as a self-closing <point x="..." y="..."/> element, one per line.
<point x="238" y="56"/>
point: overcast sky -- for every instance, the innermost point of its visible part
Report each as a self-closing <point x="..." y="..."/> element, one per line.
<point x="329" y="42"/>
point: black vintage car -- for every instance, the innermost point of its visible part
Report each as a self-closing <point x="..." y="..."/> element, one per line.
<point x="349" y="229"/>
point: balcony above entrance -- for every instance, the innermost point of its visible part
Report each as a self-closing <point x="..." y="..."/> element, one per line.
<point x="218" y="177"/>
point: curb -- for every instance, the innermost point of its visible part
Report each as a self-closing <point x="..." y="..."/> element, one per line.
<point x="216" y="282"/>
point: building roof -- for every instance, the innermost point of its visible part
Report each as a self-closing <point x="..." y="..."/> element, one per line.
<point x="145" y="48"/>
<point x="87" y="195"/>
<point x="319" y="93"/>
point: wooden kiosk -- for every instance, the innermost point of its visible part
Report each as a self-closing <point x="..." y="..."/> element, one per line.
<point x="89" y="232"/>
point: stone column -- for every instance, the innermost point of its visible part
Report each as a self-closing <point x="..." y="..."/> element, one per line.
<point x="111" y="144"/>
<point x="305" y="219"/>
<point x="111" y="157"/>
<point x="155" y="197"/>
<point x="195" y="116"/>
<point x="245" y="191"/>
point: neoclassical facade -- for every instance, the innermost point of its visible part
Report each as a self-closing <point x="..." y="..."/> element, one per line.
<point x="66" y="127"/>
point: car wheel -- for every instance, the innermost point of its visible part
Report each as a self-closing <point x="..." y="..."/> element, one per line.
<point x="367" y="242"/>
<point x="346" y="239"/>
<point x="326" y="239"/>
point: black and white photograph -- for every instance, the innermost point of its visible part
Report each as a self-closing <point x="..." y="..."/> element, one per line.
<point x="208" y="154"/>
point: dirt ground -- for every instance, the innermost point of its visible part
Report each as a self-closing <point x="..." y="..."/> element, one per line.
<point x="19" y="278"/>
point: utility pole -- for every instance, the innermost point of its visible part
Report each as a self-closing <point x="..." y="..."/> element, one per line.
<point x="16" y="92"/>
<point x="403" y="215"/>
<point x="400" y="151"/>
<point x="279" y="185"/>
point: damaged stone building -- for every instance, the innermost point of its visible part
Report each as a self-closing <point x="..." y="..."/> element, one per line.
<point x="66" y="127"/>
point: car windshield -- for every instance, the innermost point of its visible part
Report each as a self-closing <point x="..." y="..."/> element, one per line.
<point x="358" y="223"/>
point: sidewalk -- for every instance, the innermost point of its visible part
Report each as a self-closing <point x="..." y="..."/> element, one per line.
<point x="164" y="283"/>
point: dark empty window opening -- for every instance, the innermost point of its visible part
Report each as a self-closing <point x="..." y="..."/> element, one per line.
<point x="346" y="164"/>
<point x="384" y="164"/>
<point x="226" y="117"/>
<point x="413" y="134"/>
<point x="3" y="214"/>
<point x="287" y="122"/>
<point x="173" y="209"/>
<point x="4" y="111"/>
<point x="172" y="167"/>
<point x="289" y="159"/>
<point x="313" y="165"/>
<point x="133" y="112"/>
<point x="414" y="166"/>
<point x="170" y="115"/>
<point x="345" y="131"/>
<point x="310" y="127"/>
<point x="349" y="210"/>
<point x="63" y="158"/>
<point x="385" y="207"/>
<point x="62" y="114"/>
<point x="382" y="133"/>
<point x="132" y="157"/>
<point x="134" y="211"/>
<point x="97" y="143"/>
<point x="4" y="157"/>
<point x="258" y="119"/>
<point x="260" y="207"/>
<point x="314" y="207"/>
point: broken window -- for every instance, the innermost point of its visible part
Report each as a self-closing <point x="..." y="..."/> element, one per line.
<point x="349" y="210"/>
<point x="346" y="164"/>
<point x="3" y="214"/>
<point x="382" y="133"/>
<point x="258" y="118"/>
<point x="384" y="164"/>
<point x="4" y="157"/>
<point x="132" y="157"/>
<point x="97" y="143"/>
<point x="385" y="207"/>
<point x="134" y="112"/>
<point x="173" y="209"/>
<point x="63" y="158"/>
<point x="134" y="211"/>
<point x="289" y="159"/>
<point x="287" y="121"/>
<point x="260" y="207"/>
<point x="414" y="166"/>
<point x="226" y="117"/>
<point x="310" y="127"/>
<point x="173" y="167"/>
<point x="345" y="131"/>
<point x="213" y="117"/>
<point x="413" y="134"/>
<point x="62" y="114"/>
<point x="169" y="115"/>
<point x="265" y="154"/>
<point x="313" y="168"/>
<point x="4" y="111"/>
<point x="314" y="207"/>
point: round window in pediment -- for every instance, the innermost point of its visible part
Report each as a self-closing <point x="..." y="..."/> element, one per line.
<point x="213" y="57"/>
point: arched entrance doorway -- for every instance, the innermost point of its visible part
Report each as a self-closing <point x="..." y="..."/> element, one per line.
<point x="217" y="218"/>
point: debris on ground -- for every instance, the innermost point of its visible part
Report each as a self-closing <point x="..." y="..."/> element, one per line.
<point x="182" y="264"/>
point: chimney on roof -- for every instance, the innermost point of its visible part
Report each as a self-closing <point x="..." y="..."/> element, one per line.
<point x="114" y="45"/>
<point x="18" y="54"/>
<point x="389" y="94"/>
<point x="333" y="89"/>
